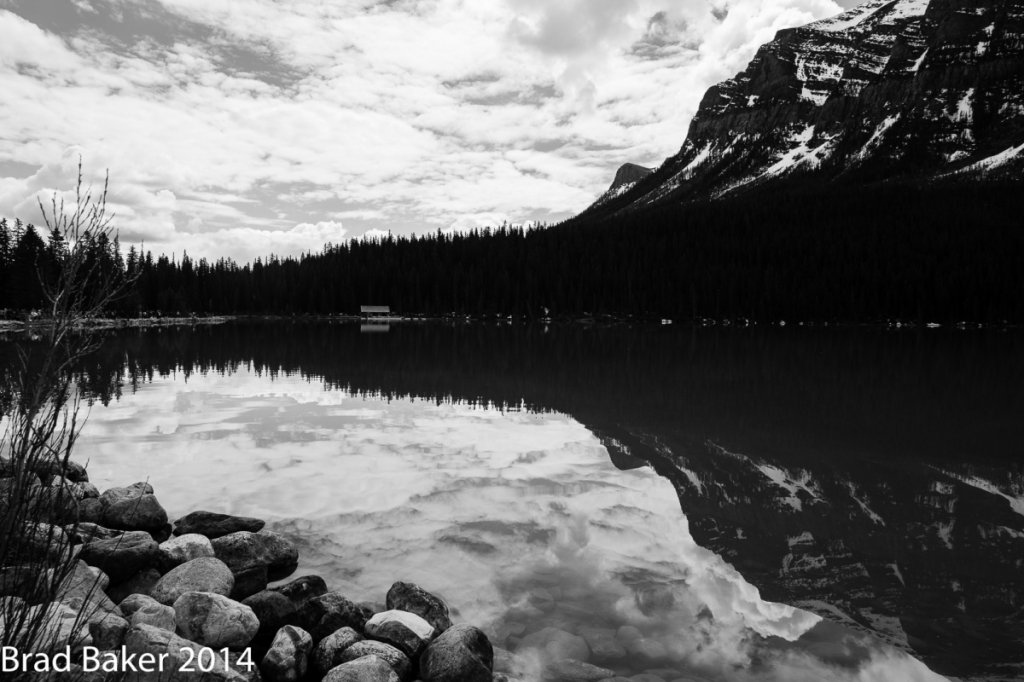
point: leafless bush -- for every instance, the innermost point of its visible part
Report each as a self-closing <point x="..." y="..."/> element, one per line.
<point x="40" y="425"/>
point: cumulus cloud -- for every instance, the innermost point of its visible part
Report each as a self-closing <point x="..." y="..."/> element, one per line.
<point x="264" y="116"/>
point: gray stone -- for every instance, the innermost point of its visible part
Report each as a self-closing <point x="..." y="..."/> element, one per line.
<point x="603" y="643"/>
<point x="214" y="525"/>
<point x="157" y="615"/>
<point x="320" y="616"/>
<point x="365" y="669"/>
<point x="414" y="599"/>
<point x="147" y="639"/>
<point x="288" y="657"/>
<point x="214" y="620"/>
<point x="133" y="602"/>
<point x="249" y="582"/>
<point x="82" y="590"/>
<point x="85" y="531"/>
<point x="244" y="550"/>
<point x="90" y="510"/>
<point x="135" y="513"/>
<point x="115" y="495"/>
<point x="205" y="574"/>
<point x="184" y="548"/>
<point x="398" y="661"/>
<point x="328" y="652"/>
<point x="108" y="632"/>
<point x="123" y="556"/>
<point x="142" y="582"/>
<point x="462" y="653"/>
<point x="405" y="631"/>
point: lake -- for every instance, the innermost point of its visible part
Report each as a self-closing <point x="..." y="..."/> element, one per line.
<point x="711" y="504"/>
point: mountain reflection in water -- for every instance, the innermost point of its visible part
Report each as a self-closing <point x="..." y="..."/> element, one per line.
<point x="870" y="477"/>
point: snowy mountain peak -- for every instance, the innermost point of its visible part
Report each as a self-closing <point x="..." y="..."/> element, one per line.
<point x="920" y="89"/>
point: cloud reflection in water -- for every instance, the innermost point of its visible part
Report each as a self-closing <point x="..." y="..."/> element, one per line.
<point x="518" y="519"/>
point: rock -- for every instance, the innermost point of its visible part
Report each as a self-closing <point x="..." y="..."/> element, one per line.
<point x="205" y="574"/>
<point x="248" y="583"/>
<point x="85" y="531"/>
<point x="556" y="645"/>
<point x="135" y="513"/>
<point x="654" y="599"/>
<point x="462" y="653"/>
<point x="244" y="550"/>
<point x="651" y="650"/>
<point x="182" y="548"/>
<point x="115" y="495"/>
<point x="40" y="542"/>
<point x="132" y="603"/>
<point x="398" y="661"/>
<point x="570" y="670"/>
<point x="288" y="657"/>
<point x="108" y="632"/>
<point x="365" y="669"/>
<point x="90" y="510"/>
<point x="302" y="589"/>
<point x="142" y="582"/>
<point x="320" y="616"/>
<point x="82" y="590"/>
<point x="603" y="643"/>
<point x="214" y="620"/>
<point x="144" y="639"/>
<point x="646" y="677"/>
<point x="328" y="652"/>
<point x="405" y="631"/>
<point x="55" y="505"/>
<point x="23" y="582"/>
<point x="123" y="556"/>
<point x="155" y="614"/>
<point x="214" y="525"/>
<point x="414" y="599"/>
<point x="89" y="490"/>
<point x="72" y="489"/>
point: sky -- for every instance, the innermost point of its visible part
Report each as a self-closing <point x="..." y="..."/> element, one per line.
<point x="240" y="128"/>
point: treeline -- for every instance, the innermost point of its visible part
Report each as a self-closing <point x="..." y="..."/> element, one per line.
<point x="927" y="253"/>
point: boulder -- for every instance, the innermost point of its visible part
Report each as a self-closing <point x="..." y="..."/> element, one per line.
<point x="142" y="582"/>
<point x="365" y="669"/>
<point x="155" y="614"/>
<point x="276" y="607"/>
<point x="215" y="621"/>
<point x="214" y="525"/>
<point x="571" y="670"/>
<point x="90" y="510"/>
<point x="145" y="639"/>
<point x="405" y="631"/>
<point x="328" y="652"/>
<point x="245" y="550"/>
<point x="398" y="661"/>
<point x="414" y="599"/>
<point x="82" y="590"/>
<point x="55" y="505"/>
<point x="320" y="616"/>
<point x="288" y="657"/>
<point x="132" y="603"/>
<point x="143" y="512"/>
<point x="123" y="556"/>
<point x="462" y="653"/>
<point x="603" y="643"/>
<point x="182" y="548"/>
<point x="108" y="632"/>
<point x="115" y="495"/>
<point x="23" y="582"/>
<point x="40" y="542"/>
<point x="89" y="490"/>
<point x="205" y="574"/>
<point x="302" y="589"/>
<point x="86" y="531"/>
<point x="249" y="582"/>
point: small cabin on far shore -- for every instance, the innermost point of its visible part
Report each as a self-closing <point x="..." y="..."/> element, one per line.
<point x="372" y="311"/>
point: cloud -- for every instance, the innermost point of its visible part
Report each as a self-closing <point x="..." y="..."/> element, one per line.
<point x="263" y="116"/>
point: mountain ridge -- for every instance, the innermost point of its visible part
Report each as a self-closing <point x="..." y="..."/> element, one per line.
<point x="908" y="89"/>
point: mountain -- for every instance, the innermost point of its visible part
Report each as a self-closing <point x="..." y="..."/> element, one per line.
<point x="625" y="179"/>
<point x="908" y="89"/>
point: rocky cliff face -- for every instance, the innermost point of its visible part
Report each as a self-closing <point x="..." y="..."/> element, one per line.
<point x="625" y="179"/>
<point x="920" y="89"/>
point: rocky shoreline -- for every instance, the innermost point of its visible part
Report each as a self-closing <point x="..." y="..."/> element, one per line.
<point x="205" y="597"/>
<point x="151" y="600"/>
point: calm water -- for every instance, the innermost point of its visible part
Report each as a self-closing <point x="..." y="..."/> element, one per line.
<point x="681" y="490"/>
